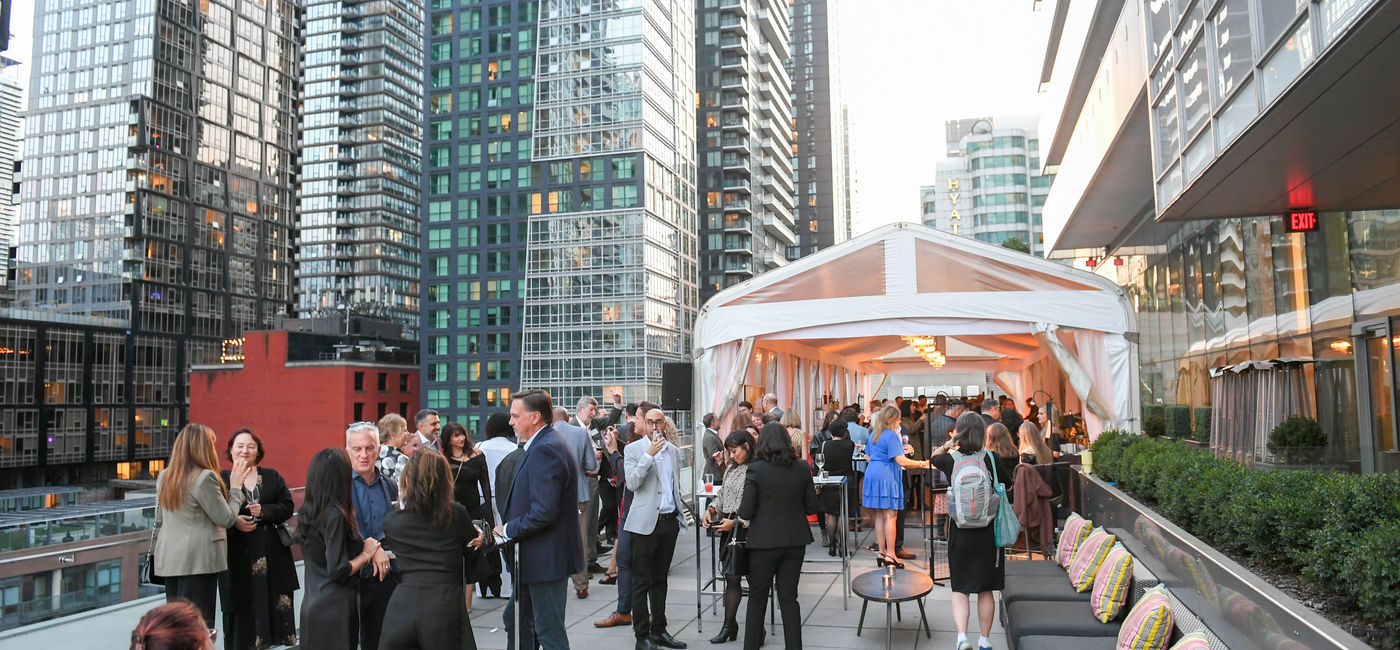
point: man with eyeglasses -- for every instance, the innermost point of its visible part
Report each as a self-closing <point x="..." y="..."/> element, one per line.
<point x="374" y="497"/>
<point x="654" y="522"/>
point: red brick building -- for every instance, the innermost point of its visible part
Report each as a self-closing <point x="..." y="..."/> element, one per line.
<point x="298" y="391"/>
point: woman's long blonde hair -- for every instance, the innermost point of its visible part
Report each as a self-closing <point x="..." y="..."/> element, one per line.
<point x="882" y="420"/>
<point x="192" y="452"/>
<point x="1032" y="443"/>
<point x="999" y="440"/>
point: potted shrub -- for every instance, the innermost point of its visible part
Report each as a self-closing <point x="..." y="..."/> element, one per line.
<point x="1178" y="421"/>
<point x="1297" y="440"/>
<point x="1154" y="425"/>
<point x="1201" y="429"/>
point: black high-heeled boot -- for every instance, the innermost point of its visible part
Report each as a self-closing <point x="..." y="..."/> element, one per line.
<point x="727" y="632"/>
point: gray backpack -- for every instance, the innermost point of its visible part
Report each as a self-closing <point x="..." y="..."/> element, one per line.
<point x="972" y="502"/>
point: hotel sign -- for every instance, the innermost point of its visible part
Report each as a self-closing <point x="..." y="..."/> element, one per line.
<point x="954" y="187"/>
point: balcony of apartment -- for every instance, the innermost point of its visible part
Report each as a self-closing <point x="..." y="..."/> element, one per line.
<point x="779" y="181"/>
<point x="1302" y="112"/>
<point x="740" y="7"/>
<point x="734" y="103"/>
<point x="775" y="258"/>
<point x="733" y="24"/>
<point x="733" y="45"/>
<point x="773" y="24"/>
<point x="734" y="162"/>
<point x="737" y="223"/>
<point x="738" y="205"/>
<point x="736" y="122"/>
<point x="734" y="143"/>
<point x="735" y="81"/>
<point x="736" y="183"/>
<point x="780" y="228"/>
<point x="731" y="62"/>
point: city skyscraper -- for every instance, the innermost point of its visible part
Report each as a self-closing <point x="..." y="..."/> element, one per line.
<point x="358" y="211"/>
<point x="745" y="126"/>
<point x="823" y="217"/>
<point x="560" y="189"/>
<point x="157" y="184"/>
<point x="10" y="125"/>
<point x="990" y="187"/>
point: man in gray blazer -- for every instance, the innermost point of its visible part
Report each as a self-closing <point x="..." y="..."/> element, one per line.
<point x="581" y="445"/>
<point x="652" y="467"/>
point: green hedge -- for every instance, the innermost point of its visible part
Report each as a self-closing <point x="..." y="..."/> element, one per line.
<point x="1178" y="421"/>
<point x="1340" y="531"/>
<point x="1201" y="430"/>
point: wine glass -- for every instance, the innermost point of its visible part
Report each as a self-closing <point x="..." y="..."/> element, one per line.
<point x="821" y="463"/>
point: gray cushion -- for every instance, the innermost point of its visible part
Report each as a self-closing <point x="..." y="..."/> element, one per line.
<point x="1035" y="568"/>
<point x="1048" y="618"/>
<point x="1043" y="642"/>
<point x="1020" y="588"/>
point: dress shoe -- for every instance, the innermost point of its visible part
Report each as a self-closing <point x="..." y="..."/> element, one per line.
<point x="665" y="640"/>
<point x="582" y="593"/>
<point x="903" y="554"/>
<point x="728" y="632"/>
<point x="614" y="619"/>
<point x="644" y="643"/>
<point x="596" y="568"/>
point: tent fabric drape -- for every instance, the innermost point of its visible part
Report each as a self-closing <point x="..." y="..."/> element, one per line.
<point x="1079" y="379"/>
<point x="731" y="359"/>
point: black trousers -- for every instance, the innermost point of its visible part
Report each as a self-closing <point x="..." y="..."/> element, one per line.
<point x="767" y="566"/>
<point x="374" y="603"/>
<point x="607" y="511"/>
<point x="651" y="562"/>
<point x="201" y="589"/>
<point x="428" y="616"/>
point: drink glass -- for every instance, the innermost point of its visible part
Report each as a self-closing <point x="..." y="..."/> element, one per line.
<point x="709" y="482"/>
<point x="821" y="463"/>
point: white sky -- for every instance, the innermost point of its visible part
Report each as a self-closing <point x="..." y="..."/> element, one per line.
<point x="911" y="65"/>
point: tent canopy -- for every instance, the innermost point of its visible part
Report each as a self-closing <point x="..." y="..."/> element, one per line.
<point x="826" y="324"/>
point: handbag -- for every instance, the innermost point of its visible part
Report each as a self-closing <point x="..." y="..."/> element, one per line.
<point x="283" y="534"/>
<point x="1007" y="526"/>
<point x="148" y="570"/>
<point x="734" y="551"/>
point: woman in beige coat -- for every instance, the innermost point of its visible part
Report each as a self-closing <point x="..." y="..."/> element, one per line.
<point x="192" y="520"/>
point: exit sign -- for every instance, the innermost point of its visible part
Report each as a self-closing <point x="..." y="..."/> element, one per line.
<point x="1302" y="221"/>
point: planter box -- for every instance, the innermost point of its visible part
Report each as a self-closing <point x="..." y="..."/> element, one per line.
<point x="1238" y="606"/>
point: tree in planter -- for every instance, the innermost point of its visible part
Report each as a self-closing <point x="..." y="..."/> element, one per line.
<point x="1154" y="426"/>
<point x="1296" y="439"/>
<point x="1016" y="244"/>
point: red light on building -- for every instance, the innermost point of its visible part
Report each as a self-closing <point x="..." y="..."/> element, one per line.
<point x="1091" y="263"/>
<point x="1118" y="261"/>
<point x="1302" y="221"/>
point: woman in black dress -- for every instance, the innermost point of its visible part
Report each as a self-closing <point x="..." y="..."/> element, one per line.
<point x="836" y="456"/>
<point x="257" y="590"/>
<point x="975" y="564"/>
<point x="432" y="537"/>
<point x="334" y="553"/>
<point x="471" y="487"/>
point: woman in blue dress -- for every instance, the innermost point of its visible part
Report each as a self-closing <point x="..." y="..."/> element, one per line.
<point x="883" y="491"/>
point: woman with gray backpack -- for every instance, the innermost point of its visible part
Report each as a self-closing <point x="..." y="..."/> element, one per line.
<point x="974" y="559"/>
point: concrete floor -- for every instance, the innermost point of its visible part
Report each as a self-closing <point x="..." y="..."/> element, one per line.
<point x="825" y="623"/>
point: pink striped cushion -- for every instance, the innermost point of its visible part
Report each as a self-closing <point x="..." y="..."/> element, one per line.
<point x="1088" y="557"/>
<point x="1194" y="641"/>
<point x="1111" y="584"/>
<point x="1076" y="529"/>
<point x="1149" y="624"/>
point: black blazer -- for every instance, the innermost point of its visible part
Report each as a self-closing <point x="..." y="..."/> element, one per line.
<point x="776" y="503"/>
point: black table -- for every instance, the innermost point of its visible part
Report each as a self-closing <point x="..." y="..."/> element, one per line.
<point x="906" y="586"/>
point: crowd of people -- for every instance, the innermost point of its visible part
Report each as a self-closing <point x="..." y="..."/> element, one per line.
<point x="399" y="528"/>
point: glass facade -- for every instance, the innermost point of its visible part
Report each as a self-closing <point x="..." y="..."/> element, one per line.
<point x="1233" y="290"/>
<point x="990" y="187"/>
<point x="746" y="140"/>
<point x="358" y="240"/>
<point x="559" y="188"/>
<point x="1216" y="65"/>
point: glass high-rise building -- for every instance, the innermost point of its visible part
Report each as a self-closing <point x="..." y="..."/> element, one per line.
<point x="559" y="182"/>
<point x="358" y="227"/>
<point x="990" y="188"/>
<point x="158" y="178"/>
<point x="10" y="126"/>
<point x="823" y="215"/>
<point x="744" y="121"/>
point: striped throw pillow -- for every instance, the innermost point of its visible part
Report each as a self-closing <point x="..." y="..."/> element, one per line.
<point x="1088" y="557"/>
<point x="1111" y="584"/>
<point x="1149" y="623"/>
<point x="1194" y="641"/>
<point x="1076" y="529"/>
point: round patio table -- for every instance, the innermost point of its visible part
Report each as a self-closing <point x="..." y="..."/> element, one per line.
<point x="906" y="585"/>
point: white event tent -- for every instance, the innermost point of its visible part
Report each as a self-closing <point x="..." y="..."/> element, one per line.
<point x="831" y="323"/>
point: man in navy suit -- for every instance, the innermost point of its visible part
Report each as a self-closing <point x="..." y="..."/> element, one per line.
<point x="541" y="517"/>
